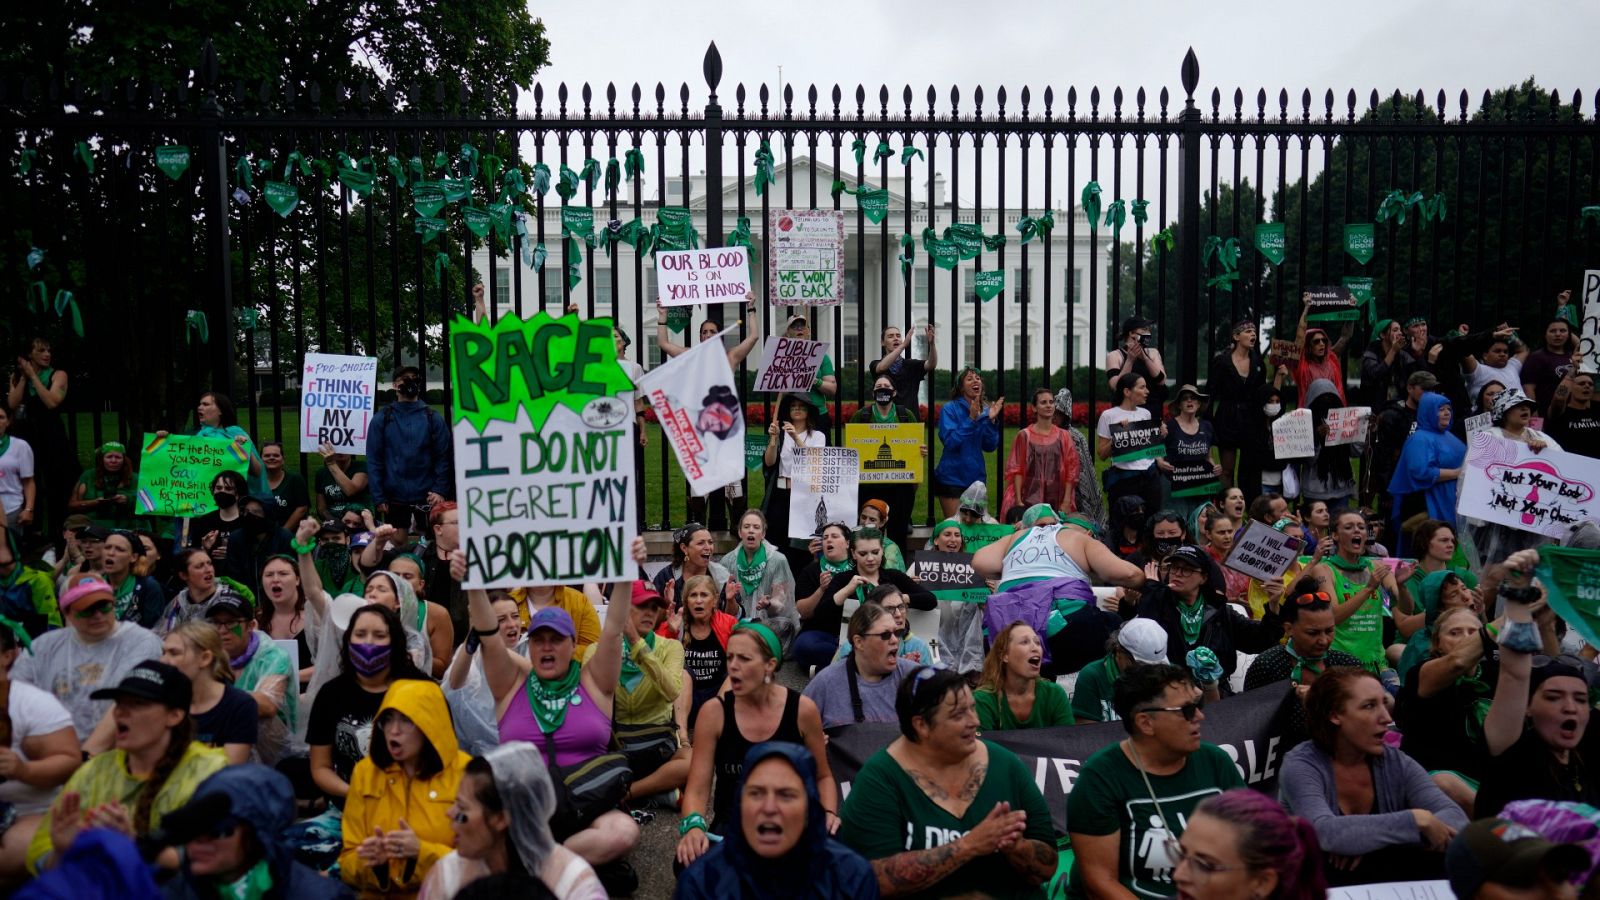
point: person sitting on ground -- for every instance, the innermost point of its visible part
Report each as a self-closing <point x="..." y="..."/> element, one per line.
<point x="693" y="553"/>
<point x="210" y="530"/>
<point x="395" y="827"/>
<point x="105" y="493"/>
<point x="1438" y="593"/>
<point x="833" y="552"/>
<point x="704" y="631"/>
<point x="721" y="741"/>
<point x="875" y="514"/>
<point x="27" y="595"/>
<point x="766" y="583"/>
<point x="1241" y="843"/>
<point x="96" y="651"/>
<point x="1123" y="846"/>
<point x="501" y="819"/>
<point x="342" y="480"/>
<point x="231" y="831"/>
<point x="1432" y="461"/>
<point x="1196" y="618"/>
<point x="944" y="812"/>
<point x="778" y="842"/>
<point x="1371" y="804"/>
<point x="153" y="769"/>
<point x="43" y="752"/>
<point x="201" y="588"/>
<point x="389" y="550"/>
<point x="1010" y="693"/>
<point x="861" y="687"/>
<point x="1496" y="858"/>
<point x="820" y="639"/>
<point x="282" y="616"/>
<point x="1441" y="706"/>
<point x="466" y="689"/>
<point x="138" y="598"/>
<point x="1357" y="583"/>
<point x="261" y="669"/>
<point x="1306" y="653"/>
<point x="224" y="716"/>
<point x="1136" y="642"/>
<point x="912" y="647"/>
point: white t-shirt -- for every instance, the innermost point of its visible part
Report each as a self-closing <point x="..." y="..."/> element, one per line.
<point x="1509" y="375"/>
<point x="15" y="465"/>
<point x="1116" y="415"/>
<point x="634" y="371"/>
<point x="69" y="669"/>
<point x="33" y="713"/>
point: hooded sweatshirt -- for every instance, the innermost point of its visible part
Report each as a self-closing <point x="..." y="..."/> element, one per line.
<point x="408" y="454"/>
<point x="380" y="798"/>
<point x="264" y="799"/>
<point x="1428" y="450"/>
<point x="27" y="595"/>
<point x="818" y="866"/>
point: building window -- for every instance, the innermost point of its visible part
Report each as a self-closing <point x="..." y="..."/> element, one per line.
<point x="602" y="287"/>
<point x="921" y="289"/>
<point x="969" y="349"/>
<point x="1022" y="284"/>
<point x="1019" y="351"/>
<point x="553" y="281"/>
<point x="1076" y="285"/>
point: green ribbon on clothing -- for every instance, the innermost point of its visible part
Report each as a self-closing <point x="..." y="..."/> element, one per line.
<point x="173" y="160"/>
<point x="469" y="161"/>
<point x="633" y="162"/>
<point x="1090" y="197"/>
<point x="613" y="176"/>
<point x="1030" y="228"/>
<point x="907" y="152"/>
<point x="194" y="322"/>
<point x="859" y="148"/>
<point x="1141" y="211"/>
<point x="568" y="185"/>
<point x="16" y="628"/>
<point x="882" y="151"/>
<point x="65" y="304"/>
<point x="1116" y="215"/>
<point x="27" y="159"/>
<point x="765" y="173"/>
<point x="1163" y="238"/>
<point x="541" y="179"/>
<point x="85" y="155"/>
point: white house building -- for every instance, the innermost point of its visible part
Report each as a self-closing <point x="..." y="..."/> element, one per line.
<point x="861" y="318"/>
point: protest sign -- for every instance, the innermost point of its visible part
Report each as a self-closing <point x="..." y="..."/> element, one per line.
<point x="1360" y="241"/>
<point x="1360" y="288"/>
<point x="1270" y="241"/>
<point x="1331" y="304"/>
<point x="1437" y="889"/>
<point x="982" y="535"/>
<point x="1348" y="425"/>
<point x="336" y="401"/>
<point x="1132" y="441"/>
<point x="755" y="450"/>
<point x="1194" y="480"/>
<point x="1284" y="353"/>
<point x="988" y="285"/>
<point x="543" y="451"/>
<point x="805" y="263"/>
<point x="1477" y="423"/>
<point x="891" y="453"/>
<point x="1507" y="483"/>
<point x="687" y="277"/>
<point x="697" y="404"/>
<point x="175" y="473"/>
<point x="1571" y="579"/>
<point x="1262" y="552"/>
<point x="789" y="365"/>
<point x="1589" y="328"/>
<point x="822" y="489"/>
<point x="1252" y="728"/>
<point x="1291" y="435"/>
<point x="949" y="576"/>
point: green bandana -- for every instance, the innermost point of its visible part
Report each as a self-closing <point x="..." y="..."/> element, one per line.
<point x="1191" y="615"/>
<point x="631" y="674"/>
<point x="5" y="444"/>
<point x="765" y="635"/>
<point x="829" y="567"/>
<point x="1302" y="664"/>
<point x="750" y="570"/>
<point x="253" y="885"/>
<point x="549" y="700"/>
<point x="1482" y="693"/>
<point x="124" y="599"/>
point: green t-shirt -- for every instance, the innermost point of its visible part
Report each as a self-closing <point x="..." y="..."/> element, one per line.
<point x="1110" y="797"/>
<point x="886" y="813"/>
<point x="816" y="398"/>
<point x="893" y="557"/>
<point x="1091" y="695"/>
<point x="335" y="495"/>
<point x="1361" y="635"/>
<point x="108" y="515"/>
<point x="1050" y="707"/>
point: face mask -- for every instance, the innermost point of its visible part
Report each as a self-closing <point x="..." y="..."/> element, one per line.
<point x="883" y="396"/>
<point x="410" y="387"/>
<point x="1165" y="548"/>
<point x="225" y="500"/>
<point x="254" y="524"/>
<point x="1272" y="409"/>
<point x="1134" y="522"/>
<point x="369" y="659"/>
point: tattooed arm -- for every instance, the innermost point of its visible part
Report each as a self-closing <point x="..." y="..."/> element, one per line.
<point x="1034" y="860"/>
<point x="918" y="870"/>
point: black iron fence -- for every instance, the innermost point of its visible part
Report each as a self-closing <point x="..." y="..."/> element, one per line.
<point x="304" y="219"/>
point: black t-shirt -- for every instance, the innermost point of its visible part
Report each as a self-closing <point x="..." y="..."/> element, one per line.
<point x="232" y="721"/>
<point x="202" y="525"/>
<point x="1576" y="430"/>
<point x="827" y="616"/>
<point x="341" y="718"/>
<point x="706" y="661"/>
<point x="1544" y="370"/>
<point x="1529" y="771"/>
<point x="1440" y="731"/>
<point x="907" y="375"/>
<point x="288" y="496"/>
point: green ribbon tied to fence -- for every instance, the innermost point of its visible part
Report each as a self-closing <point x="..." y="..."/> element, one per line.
<point x="173" y="160"/>
<point x="1163" y="239"/>
<point x="194" y="323"/>
<point x="85" y="155"/>
<point x="356" y="174"/>
<point x="765" y="173"/>
<point x="574" y="262"/>
<point x="634" y="233"/>
<point x="397" y="170"/>
<point x="27" y="159"/>
<point x="1227" y="256"/>
<point x="248" y="318"/>
<point x="1116" y="215"/>
<point x="994" y="241"/>
<point x="613" y="176"/>
<point x="441" y="265"/>
<point x="441" y="161"/>
<point x="540" y="254"/>
<point x="1433" y="209"/>
<point x="469" y="162"/>
<point x="1141" y="212"/>
<point x="293" y="160"/>
<point x="859" y="148"/>
<point x="429" y="228"/>
<point x="1030" y="228"/>
<point x="590" y="173"/>
<point x="907" y="152"/>
<point x="568" y="185"/>
<point x="882" y="151"/>
<point x="35" y="257"/>
<point x="1090" y="198"/>
<point x="541" y="179"/>
<point x="1395" y="204"/>
<point x="908" y="254"/>
<point x="740" y="237"/>
<point x="633" y="163"/>
<point x="512" y="187"/>
<point x="65" y="303"/>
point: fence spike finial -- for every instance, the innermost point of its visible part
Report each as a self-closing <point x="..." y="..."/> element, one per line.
<point x="1190" y="74"/>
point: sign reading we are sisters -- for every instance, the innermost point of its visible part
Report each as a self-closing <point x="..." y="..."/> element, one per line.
<point x="1507" y="483"/>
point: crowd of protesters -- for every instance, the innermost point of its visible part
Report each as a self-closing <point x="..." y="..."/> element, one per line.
<point x="293" y="696"/>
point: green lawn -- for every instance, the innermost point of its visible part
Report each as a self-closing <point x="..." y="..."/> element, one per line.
<point x="284" y="426"/>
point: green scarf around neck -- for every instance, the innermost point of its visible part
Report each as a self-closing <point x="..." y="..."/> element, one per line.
<point x="749" y="569"/>
<point x="631" y="673"/>
<point x="549" y="699"/>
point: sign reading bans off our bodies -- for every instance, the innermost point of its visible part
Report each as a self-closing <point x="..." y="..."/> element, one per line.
<point x="544" y="450"/>
<point x="336" y="401"/>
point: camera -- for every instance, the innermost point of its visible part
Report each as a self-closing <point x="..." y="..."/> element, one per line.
<point x="1147" y="341"/>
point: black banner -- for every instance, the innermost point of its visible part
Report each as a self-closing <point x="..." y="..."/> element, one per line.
<point x="1333" y="303"/>
<point x="949" y="576"/>
<point x="1132" y="441"/>
<point x="1249" y="727"/>
<point x="1194" y="479"/>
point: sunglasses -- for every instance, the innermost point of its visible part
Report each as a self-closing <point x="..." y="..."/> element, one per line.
<point x="1316" y="597"/>
<point x="1189" y="710"/>
<point x="103" y="607"/>
<point x="884" y="635"/>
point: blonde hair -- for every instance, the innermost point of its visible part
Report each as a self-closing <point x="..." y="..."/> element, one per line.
<point x="203" y="637"/>
<point x="994" y="664"/>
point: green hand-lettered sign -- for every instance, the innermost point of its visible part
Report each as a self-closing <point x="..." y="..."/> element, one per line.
<point x="1360" y="241"/>
<point x="1270" y="241"/>
<point x="517" y="363"/>
<point x="175" y="473"/>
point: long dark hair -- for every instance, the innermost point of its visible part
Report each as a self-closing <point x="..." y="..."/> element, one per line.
<point x="1335" y="460"/>
<point x="488" y="796"/>
<point x="264" y="608"/>
<point x="178" y="740"/>
<point x="400" y="664"/>
<point x="226" y="415"/>
<point x="1126" y="383"/>
<point x="788" y="404"/>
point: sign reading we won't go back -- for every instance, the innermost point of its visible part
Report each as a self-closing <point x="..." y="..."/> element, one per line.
<point x="544" y="451"/>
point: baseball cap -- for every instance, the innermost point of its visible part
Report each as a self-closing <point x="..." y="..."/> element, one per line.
<point x="152" y="680"/>
<point x="94" y="533"/>
<point x="1145" y="640"/>
<point x="553" y="618"/>
<point x="360" y="539"/>
<point x="1191" y="556"/>
<point x="794" y="319"/>
<point x="331" y="526"/>
<point x="85" y="590"/>
<point x="644" y="592"/>
<point x="1503" y="852"/>
<point x="76" y="522"/>
<point x="231" y="604"/>
<point x="1423" y="379"/>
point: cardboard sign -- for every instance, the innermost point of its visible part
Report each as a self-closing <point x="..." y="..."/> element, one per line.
<point x="1509" y="484"/>
<point x="687" y="277"/>
<point x="1194" y="480"/>
<point x="1589" y="328"/>
<point x="336" y="401"/>
<point x="1477" y="423"/>
<point x="789" y="365"/>
<point x="1438" y="889"/>
<point x="1292" y="437"/>
<point x="982" y="535"/>
<point x="1262" y="552"/>
<point x="1284" y="353"/>
<point x="822" y="490"/>
<point x="1332" y="304"/>
<point x="697" y="403"/>
<point x="949" y="576"/>
<point x="1132" y="441"/>
<point x="175" y="473"/>
<point x="1348" y="425"/>
<point x="544" y="451"/>
<point x="890" y="453"/>
<point x="805" y="265"/>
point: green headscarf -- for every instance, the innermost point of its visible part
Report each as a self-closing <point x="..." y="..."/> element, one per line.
<point x="765" y="635"/>
<point x="1036" y="512"/>
<point x="1380" y="327"/>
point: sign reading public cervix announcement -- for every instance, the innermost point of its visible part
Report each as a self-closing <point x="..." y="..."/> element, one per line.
<point x="544" y="451"/>
<point x="336" y="401"/>
<point x="789" y="365"/>
<point x="1507" y="483"/>
<point x="805" y="262"/>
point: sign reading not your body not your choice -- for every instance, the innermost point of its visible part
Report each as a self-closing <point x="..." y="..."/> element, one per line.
<point x="544" y="443"/>
<point x="1507" y="483"/>
<point x="336" y="401"/>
